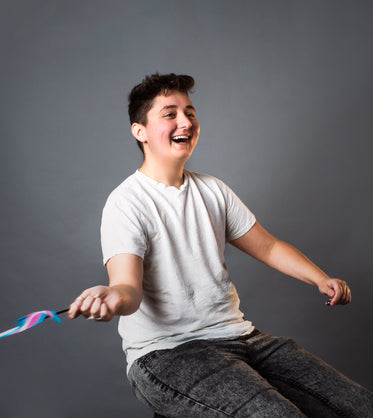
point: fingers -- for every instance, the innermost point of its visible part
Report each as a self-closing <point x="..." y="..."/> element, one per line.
<point x="340" y="292"/>
<point x="96" y="308"/>
<point x="74" y="310"/>
<point x="98" y="311"/>
<point x="87" y="306"/>
<point x="104" y="313"/>
<point x="91" y="305"/>
<point x="345" y="294"/>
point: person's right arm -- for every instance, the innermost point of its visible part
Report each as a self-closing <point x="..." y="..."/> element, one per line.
<point x="123" y="295"/>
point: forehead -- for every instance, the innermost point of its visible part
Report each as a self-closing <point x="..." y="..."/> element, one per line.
<point x="174" y="98"/>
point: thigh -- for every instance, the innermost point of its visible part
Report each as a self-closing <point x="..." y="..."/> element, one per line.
<point x="204" y="378"/>
<point x="317" y="388"/>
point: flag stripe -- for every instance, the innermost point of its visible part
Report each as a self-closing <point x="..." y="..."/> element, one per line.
<point x="30" y="321"/>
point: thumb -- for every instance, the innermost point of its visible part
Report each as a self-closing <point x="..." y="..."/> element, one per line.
<point x="331" y="292"/>
<point x="327" y="289"/>
<point x="333" y="286"/>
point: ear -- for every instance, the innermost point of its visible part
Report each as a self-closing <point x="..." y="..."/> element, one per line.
<point x="138" y="131"/>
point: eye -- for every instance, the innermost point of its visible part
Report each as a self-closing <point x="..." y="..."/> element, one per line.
<point x="169" y="115"/>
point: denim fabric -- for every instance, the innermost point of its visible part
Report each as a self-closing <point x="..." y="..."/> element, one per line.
<point x="256" y="376"/>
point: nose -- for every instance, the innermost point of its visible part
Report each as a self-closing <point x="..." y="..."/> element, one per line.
<point x="183" y="121"/>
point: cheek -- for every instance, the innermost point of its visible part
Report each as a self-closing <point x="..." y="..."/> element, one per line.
<point x="165" y="129"/>
<point x="196" y="127"/>
<point x="161" y="133"/>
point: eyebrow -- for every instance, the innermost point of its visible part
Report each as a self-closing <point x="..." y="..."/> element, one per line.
<point x="174" y="107"/>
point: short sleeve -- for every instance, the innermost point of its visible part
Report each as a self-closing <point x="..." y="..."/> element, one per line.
<point x="239" y="219"/>
<point x="121" y="229"/>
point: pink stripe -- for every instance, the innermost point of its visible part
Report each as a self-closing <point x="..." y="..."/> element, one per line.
<point x="31" y="320"/>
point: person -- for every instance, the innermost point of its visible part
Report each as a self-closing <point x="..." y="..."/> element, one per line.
<point x="189" y="349"/>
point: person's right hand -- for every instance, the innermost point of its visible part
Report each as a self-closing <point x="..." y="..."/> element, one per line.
<point x="99" y="303"/>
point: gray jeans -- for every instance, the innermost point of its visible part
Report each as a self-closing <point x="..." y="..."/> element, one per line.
<point x="257" y="376"/>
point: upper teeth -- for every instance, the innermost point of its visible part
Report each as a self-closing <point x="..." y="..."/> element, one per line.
<point x="180" y="137"/>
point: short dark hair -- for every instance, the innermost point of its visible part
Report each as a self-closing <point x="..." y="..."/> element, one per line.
<point x="140" y="100"/>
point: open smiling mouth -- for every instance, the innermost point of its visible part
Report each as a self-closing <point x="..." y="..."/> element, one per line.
<point x="180" y="138"/>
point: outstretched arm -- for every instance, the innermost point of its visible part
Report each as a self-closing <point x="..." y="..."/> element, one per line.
<point x="122" y="296"/>
<point x="261" y="245"/>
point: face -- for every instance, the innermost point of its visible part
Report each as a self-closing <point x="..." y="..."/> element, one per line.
<point x="172" y="129"/>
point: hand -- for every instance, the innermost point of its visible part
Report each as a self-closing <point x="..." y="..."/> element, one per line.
<point x="99" y="302"/>
<point x="337" y="290"/>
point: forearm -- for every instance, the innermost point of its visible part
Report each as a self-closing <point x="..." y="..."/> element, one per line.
<point x="128" y="299"/>
<point x="290" y="261"/>
<point x="283" y="257"/>
<point x="280" y="255"/>
<point x="125" y="277"/>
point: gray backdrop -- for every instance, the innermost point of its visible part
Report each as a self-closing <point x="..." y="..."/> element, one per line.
<point x="284" y="98"/>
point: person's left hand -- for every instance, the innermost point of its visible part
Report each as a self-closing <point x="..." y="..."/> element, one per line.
<point x="337" y="290"/>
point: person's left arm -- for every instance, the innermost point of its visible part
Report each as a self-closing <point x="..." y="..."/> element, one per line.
<point x="283" y="257"/>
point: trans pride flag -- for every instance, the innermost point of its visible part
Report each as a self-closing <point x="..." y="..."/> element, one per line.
<point x="32" y="319"/>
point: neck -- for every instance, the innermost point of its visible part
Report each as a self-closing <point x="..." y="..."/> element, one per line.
<point x="165" y="174"/>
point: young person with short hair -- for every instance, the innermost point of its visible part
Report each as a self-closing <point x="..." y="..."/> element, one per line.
<point x="190" y="351"/>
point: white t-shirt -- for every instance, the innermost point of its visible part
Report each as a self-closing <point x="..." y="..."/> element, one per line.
<point x="181" y="236"/>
